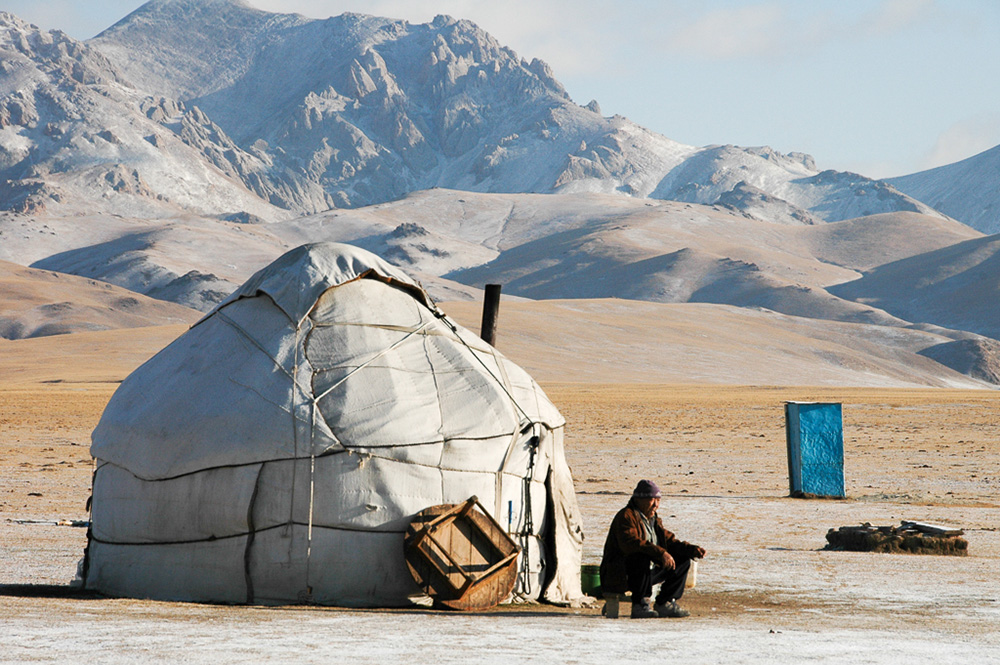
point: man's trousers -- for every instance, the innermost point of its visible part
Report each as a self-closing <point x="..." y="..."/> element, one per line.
<point x="642" y="575"/>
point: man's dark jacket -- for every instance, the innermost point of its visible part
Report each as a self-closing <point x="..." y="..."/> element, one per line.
<point x="628" y="536"/>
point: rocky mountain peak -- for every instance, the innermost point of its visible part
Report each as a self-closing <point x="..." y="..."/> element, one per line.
<point x="157" y="10"/>
<point x="443" y="21"/>
<point x="53" y="54"/>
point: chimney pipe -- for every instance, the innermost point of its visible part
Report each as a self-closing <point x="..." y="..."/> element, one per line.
<point x="491" y="311"/>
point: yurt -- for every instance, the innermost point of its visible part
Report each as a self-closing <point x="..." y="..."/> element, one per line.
<point x="277" y="451"/>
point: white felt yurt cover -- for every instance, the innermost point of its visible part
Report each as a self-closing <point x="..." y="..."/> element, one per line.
<point x="277" y="451"/>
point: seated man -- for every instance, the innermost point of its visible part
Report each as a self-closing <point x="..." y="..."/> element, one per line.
<point x="639" y="553"/>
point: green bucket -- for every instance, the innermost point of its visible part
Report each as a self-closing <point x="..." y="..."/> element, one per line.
<point x="590" y="579"/>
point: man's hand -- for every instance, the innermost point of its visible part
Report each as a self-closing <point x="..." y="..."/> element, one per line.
<point x="668" y="562"/>
<point x="699" y="552"/>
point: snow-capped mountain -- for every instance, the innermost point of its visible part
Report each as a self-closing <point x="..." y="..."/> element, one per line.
<point x="968" y="191"/>
<point x="355" y="110"/>
<point x="214" y="107"/>
<point x="372" y="108"/>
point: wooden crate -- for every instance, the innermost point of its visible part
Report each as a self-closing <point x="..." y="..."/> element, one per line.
<point x="460" y="556"/>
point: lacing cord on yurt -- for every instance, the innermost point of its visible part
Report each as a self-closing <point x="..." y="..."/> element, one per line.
<point x="375" y="357"/>
<point x="364" y="452"/>
<point x="526" y="532"/>
<point x="253" y="530"/>
<point x="230" y="536"/>
<point x="307" y="592"/>
<point x="90" y="525"/>
<point x="314" y="407"/>
<point x="251" y="534"/>
<point x="444" y="318"/>
<point x="314" y="401"/>
<point x="250" y="338"/>
<point x="437" y="313"/>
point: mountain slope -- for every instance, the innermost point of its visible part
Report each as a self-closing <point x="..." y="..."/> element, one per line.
<point x="968" y="191"/>
<point x="588" y="246"/>
<point x="755" y="180"/>
<point x="173" y="154"/>
<point x="370" y="108"/>
<point x="867" y="242"/>
<point x="605" y="341"/>
<point x="196" y="265"/>
<point x="632" y="260"/>
<point x="955" y="287"/>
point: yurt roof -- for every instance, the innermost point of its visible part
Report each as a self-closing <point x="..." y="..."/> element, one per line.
<point x="297" y="279"/>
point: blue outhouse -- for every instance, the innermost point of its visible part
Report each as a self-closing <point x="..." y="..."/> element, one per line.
<point x="814" y="432"/>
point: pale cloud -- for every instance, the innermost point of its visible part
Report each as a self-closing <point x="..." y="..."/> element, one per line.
<point x="967" y="137"/>
<point x="895" y="15"/>
<point x="781" y="28"/>
<point x="738" y="32"/>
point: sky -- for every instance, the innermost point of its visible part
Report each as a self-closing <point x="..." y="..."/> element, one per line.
<point x="878" y="87"/>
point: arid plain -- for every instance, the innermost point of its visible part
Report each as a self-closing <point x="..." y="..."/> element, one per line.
<point x="766" y="591"/>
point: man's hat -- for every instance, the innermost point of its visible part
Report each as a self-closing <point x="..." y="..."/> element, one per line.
<point x="646" y="489"/>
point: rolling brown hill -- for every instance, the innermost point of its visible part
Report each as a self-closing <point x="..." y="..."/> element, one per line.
<point x="39" y="303"/>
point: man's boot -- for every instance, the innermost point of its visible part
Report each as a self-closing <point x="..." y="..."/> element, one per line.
<point x="670" y="609"/>
<point x="610" y="609"/>
<point x="641" y="609"/>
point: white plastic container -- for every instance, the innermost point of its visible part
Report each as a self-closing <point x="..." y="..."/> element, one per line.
<point x="692" y="577"/>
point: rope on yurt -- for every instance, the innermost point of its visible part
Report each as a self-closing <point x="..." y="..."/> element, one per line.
<point x="260" y="347"/>
<point x="314" y="405"/>
<point x="231" y="536"/>
<point x="294" y="376"/>
<point x="306" y="594"/>
<point x="528" y="525"/>
<point x="309" y="536"/>
<point x="90" y="525"/>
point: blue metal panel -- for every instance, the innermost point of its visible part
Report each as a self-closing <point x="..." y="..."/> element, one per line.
<point x="815" y="438"/>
